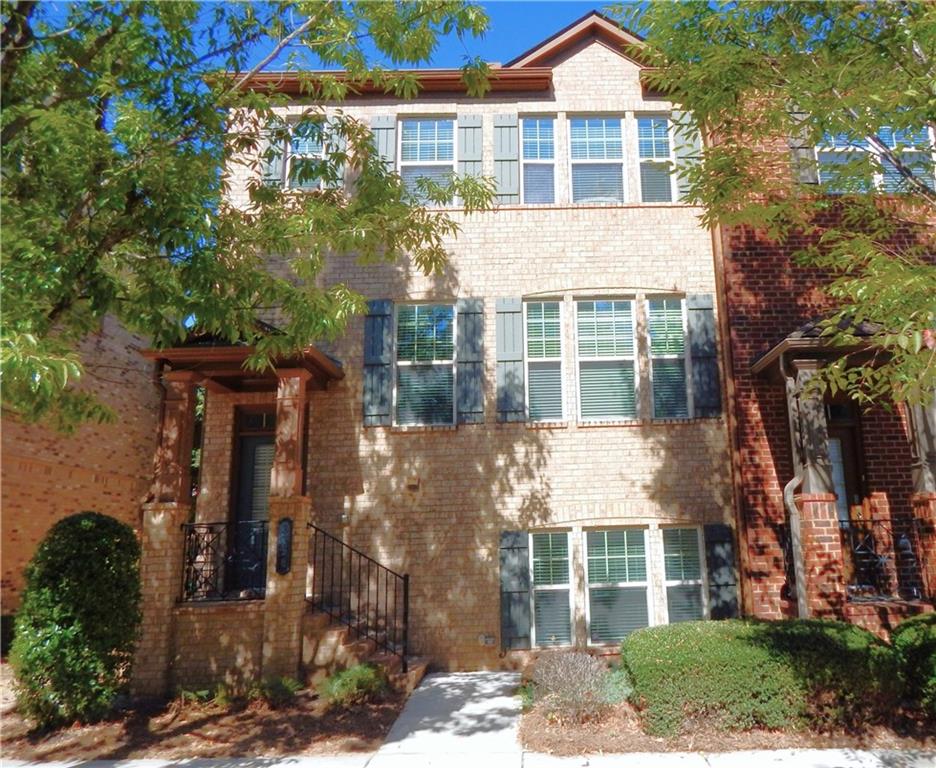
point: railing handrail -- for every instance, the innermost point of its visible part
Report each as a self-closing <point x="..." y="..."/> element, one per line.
<point x="224" y="560"/>
<point x="357" y="551"/>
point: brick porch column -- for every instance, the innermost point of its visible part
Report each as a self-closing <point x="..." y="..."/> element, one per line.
<point x="162" y="541"/>
<point x="877" y="508"/>
<point x="922" y="420"/>
<point x="285" y="592"/>
<point x="924" y="512"/>
<point x="823" y="563"/>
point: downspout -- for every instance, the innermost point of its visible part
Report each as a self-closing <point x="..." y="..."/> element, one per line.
<point x="789" y="501"/>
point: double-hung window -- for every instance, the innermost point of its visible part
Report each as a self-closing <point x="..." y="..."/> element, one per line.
<point x="427" y="150"/>
<point x="552" y="615"/>
<point x="656" y="161"/>
<point x="425" y="364"/>
<point x="915" y="152"/>
<point x="306" y="152"/>
<point x="539" y="161"/>
<point x="682" y="559"/>
<point x="849" y="164"/>
<point x="618" y="595"/>
<point x="543" y="325"/>
<point x="606" y="360"/>
<point x="842" y="163"/>
<point x="597" y="155"/>
<point x="668" y="364"/>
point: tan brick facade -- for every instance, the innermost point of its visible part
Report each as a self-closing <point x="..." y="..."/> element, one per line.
<point x="103" y="467"/>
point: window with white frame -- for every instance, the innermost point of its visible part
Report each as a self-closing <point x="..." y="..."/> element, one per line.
<point x="666" y="323"/>
<point x="606" y="360"/>
<point x="549" y="567"/>
<point x="543" y="331"/>
<point x="915" y="151"/>
<point x="596" y="151"/>
<point x="306" y="152"/>
<point x="656" y="161"/>
<point x="851" y="164"/>
<point x="618" y="595"/>
<point x="682" y="558"/>
<point x="539" y="161"/>
<point x="427" y="150"/>
<point x="425" y="364"/>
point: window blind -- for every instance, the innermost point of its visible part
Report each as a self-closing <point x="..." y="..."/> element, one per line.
<point x="597" y="183"/>
<point x="539" y="183"/>
<point x="592" y="143"/>
<point x="427" y="150"/>
<point x="683" y="571"/>
<point x="263" y="465"/>
<point x="667" y="358"/>
<point x="425" y="394"/>
<point x="425" y="353"/>
<point x="539" y="178"/>
<point x="653" y="144"/>
<point x="544" y="360"/>
<point x="617" y="578"/>
<point x="551" y="613"/>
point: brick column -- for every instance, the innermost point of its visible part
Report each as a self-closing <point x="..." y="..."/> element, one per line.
<point x="285" y="592"/>
<point x="924" y="512"/>
<point x="822" y="555"/>
<point x="877" y="508"/>
<point x="162" y="539"/>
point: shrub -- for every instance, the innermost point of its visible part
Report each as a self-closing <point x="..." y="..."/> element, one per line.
<point x="354" y="685"/>
<point x="745" y="674"/>
<point x="275" y="692"/>
<point x="78" y="623"/>
<point x="914" y="642"/>
<point x="570" y="686"/>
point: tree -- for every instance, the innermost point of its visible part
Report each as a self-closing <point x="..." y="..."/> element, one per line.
<point x="121" y="123"/>
<point x="762" y="77"/>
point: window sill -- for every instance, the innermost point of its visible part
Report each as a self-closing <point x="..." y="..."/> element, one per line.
<point x="618" y="423"/>
<point x="546" y="424"/>
<point x="399" y="428"/>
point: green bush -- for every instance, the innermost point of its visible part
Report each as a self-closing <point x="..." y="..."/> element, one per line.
<point x="354" y="685"/>
<point x="914" y="641"/>
<point x="744" y="674"/>
<point x="276" y="692"/>
<point x="78" y="623"/>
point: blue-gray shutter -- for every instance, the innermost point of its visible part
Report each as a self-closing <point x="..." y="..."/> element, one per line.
<point x="515" y="590"/>
<point x="803" y="163"/>
<point x="470" y="361"/>
<point x="383" y="128"/>
<point x="272" y="161"/>
<point x="507" y="158"/>
<point x="688" y="150"/>
<point x="722" y="577"/>
<point x="469" y="145"/>
<point x="378" y="363"/>
<point x="706" y="389"/>
<point x="510" y="379"/>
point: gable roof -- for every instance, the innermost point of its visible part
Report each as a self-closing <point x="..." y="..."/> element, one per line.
<point x="592" y="24"/>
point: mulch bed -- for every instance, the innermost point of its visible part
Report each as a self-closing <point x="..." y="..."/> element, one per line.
<point x="619" y="731"/>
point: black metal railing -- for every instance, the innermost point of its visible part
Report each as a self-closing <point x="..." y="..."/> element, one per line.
<point x="354" y="589"/>
<point x="225" y="561"/>
<point x="883" y="559"/>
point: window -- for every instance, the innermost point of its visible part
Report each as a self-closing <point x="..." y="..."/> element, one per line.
<point x="543" y="324"/>
<point x="682" y="559"/>
<point x="915" y="152"/>
<point x="597" y="153"/>
<point x="843" y="161"/>
<point x="552" y="616"/>
<point x="656" y="162"/>
<point x="306" y="146"/>
<point x="539" y="161"/>
<point x="840" y="164"/>
<point x="668" y="358"/>
<point x="617" y="584"/>
<point x="427" y="150"/>
<point x="606" y="363"/>
<point x="425" y="364"/>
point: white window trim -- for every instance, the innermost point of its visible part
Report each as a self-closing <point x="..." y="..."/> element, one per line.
<point x="625" y="196"/>
<point x="537" y="161"/>
<point x="401" y="163"/>
<point x="551" y="587"/>
<point x="877" y="178"/>
<point x="289" y="155"/>
<point x="686" y="357"/>
<point x="646" y="584"/>
<point x="560" y="359"/>
<point x="671" y="136"/>
<point x="634" y="358"/>
<point x="703" y="570"/>
<point x="409" y="363"/>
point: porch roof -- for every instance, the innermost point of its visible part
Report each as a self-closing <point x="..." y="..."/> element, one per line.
<point x="808" y="342"/>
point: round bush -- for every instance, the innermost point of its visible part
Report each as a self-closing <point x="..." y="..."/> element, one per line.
<point x="570" y="686"/>
<point x="914" y="641"/>
<point x="78" y="623"/>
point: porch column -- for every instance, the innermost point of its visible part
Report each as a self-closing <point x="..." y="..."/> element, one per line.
<point x="922" y="420"/>
<point x="162" y="538"/>
<point x="290" y="513"/>
<point x="820" y="554"/>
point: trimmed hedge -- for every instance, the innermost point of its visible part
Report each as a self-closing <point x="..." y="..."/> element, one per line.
<point x="914" y="642"/>
<point x="742" y="674"/>
<point x="78" y="623"/>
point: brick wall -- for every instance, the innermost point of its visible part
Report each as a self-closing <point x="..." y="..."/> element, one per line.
<point x="106" y="468"/>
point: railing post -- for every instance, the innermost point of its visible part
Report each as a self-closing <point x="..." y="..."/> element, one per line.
<point x="405" y="619"/>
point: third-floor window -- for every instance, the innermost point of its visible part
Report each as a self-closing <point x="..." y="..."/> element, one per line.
<point x="427" y="150"/>
<point x="539" y="161"/>
<point x="656" y="162"/>
<point x="596" y="150"/>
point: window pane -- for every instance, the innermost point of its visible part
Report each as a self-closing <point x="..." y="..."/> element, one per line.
<point x="597" y="183"/>
<point x="615" y="612"/>
<point x="606" y="390"/>
<point x="655" y="185"/>
<point x="427" y="141"/>
<point x="545" y="390"/>
<point x="552" y="617"/>
<point x="550" y="559"/>
<point x="538" y="138"/>
<point x="605" y="329"/>
<point x="539" y="183"/>
<point x="596" y="138"/>
<point x="544" y="329"/>
<point x="653" y="138"/>
<point x="666" y="327"/>
<point x="920" y="165"/>
<point x="844" y="172"/>
<point x="616" y="556"/>
<point x="684" y="603"/>
<point x="425" y="332"/>
<point x="669" y="389"/>
<point x="681" y="554"/>
<point x="424" y="394"/>
<point x="440" y="174"/>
